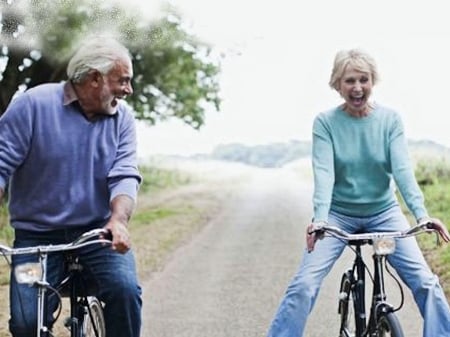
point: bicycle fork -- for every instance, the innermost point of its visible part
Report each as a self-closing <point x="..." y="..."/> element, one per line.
<point x="359" y="293"/>
<point x="379" y="304"/>
<point x="42" y="285"/>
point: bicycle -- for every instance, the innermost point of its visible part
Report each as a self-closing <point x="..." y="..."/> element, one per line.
<point x="382" y="321"/>
<point x="86" y="311"/>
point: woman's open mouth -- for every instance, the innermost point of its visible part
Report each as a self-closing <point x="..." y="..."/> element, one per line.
<point x="357" y="101"/>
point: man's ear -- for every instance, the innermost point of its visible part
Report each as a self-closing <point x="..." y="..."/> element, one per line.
<point x="95" y="78"/>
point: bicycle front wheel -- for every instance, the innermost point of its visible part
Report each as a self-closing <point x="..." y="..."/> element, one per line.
<point x="93" y="321"/>
<point x="347" y="308"/>
<point x="388" y="325"/>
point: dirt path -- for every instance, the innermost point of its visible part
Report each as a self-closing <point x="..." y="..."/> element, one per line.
<point x="228" y="280"/>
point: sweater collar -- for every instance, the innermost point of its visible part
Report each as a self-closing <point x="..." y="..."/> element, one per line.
<point x="69" y="94"/>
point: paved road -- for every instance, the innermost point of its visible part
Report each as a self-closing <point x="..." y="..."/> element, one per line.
<point x="228" y="281"/>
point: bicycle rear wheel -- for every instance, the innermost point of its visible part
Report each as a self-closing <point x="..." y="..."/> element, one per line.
<point x="347" y="308"/>
<point x="93" y="321"/>
<point x="388" y="325"/>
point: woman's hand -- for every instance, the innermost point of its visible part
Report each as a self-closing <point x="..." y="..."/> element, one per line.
<point x="312" y="237"/>
<point x="438" y="226"/>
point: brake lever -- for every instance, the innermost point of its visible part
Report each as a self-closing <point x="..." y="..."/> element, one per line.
<point x="438" y="239"/>
<point x="430" y="227"/>
<point x="318" y="232"/>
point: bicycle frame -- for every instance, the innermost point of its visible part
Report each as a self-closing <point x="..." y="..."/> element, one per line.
<point x="358" y="278"/>
<point x="42" y="286"/>
<point x="379" y="303"/>
<point x="382" y="318"/>
<point x="359" y="283"/>
<point x="35" y="274"/>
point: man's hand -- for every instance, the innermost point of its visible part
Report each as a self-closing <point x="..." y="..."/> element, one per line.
<point x="121" y="206"/>
<point x="120" y="236"/>
<point x="438" y="226"/>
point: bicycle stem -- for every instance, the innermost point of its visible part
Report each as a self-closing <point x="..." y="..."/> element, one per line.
<point x="360" y="291"/>
<point x="378" y="292"/>
<point x="42" y="329"/>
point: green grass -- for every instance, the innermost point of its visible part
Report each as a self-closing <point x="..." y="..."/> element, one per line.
<point x="155" y="179"/>
<point x="6" y="237"/>
<point x="6" y="232"/>
<point x="437" y="197"/>
<point x="434" y="178"/>
<point x="143" y="217"/>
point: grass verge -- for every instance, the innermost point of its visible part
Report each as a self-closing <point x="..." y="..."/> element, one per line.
<point x="437" y="198"/>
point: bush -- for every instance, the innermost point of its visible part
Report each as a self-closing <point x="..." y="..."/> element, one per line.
<point x="434" y="178"/>
<point x="3" y="215"/>
<point x="155" y="178"/>
<point x="430" y="172"/>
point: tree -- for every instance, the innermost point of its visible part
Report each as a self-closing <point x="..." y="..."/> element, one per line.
<point x="176" y="75"/>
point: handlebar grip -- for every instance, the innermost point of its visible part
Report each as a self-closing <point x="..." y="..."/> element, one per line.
<point x="107" y="235"/>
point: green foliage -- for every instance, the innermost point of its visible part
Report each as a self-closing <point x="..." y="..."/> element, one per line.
<point x="278" y="154"/>
<point x="270" y="155"/>
<point x="437" y="197"/>
<point x="6" y="232"/>
<point x="3" y="214"/>
<point x="432" y="172"/>
<point x="155" y="178"/>
<point x="145" y="217"/>
<point x="185" y="82"/>
<point x="175" y="74"/>
<point x="435" y="177"/>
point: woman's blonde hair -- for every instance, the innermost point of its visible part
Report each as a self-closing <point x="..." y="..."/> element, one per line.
<point x="356" y="58"/>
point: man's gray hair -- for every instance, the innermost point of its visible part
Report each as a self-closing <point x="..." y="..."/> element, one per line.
<point x="99" y="53"/>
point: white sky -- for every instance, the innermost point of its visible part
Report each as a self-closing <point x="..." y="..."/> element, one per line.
<point x="278" y="61"/>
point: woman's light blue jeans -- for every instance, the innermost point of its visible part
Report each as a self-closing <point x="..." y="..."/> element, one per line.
<point x="408" y="261"/>
<point x="114" y="275"/>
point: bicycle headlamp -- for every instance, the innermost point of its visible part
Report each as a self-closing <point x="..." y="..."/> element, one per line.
<point x="384" y="246"/>
<point x="28" y="273"/>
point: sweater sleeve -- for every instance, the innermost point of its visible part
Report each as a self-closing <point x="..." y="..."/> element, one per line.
<point x="15" y="137"/>
<point x="124" y="177"/>
<point x="403" y="172"/>
<point x="323" y="169"/>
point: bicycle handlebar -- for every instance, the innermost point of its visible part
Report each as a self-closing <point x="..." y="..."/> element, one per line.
<point x="339" y="233"/>
<point x="99" y="235"/>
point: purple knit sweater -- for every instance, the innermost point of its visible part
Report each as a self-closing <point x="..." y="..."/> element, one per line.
<point x="62" y="169"/>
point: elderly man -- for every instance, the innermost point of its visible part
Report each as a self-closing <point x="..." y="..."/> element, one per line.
<point x="68" y="156"/>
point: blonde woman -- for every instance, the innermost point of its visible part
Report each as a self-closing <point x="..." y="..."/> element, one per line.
<point x="359" y="150"/>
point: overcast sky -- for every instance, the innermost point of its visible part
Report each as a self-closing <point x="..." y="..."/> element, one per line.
<point x="278" y="61"/>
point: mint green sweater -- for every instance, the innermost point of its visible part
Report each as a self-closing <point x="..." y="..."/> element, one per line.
<point x="356" y="162"/>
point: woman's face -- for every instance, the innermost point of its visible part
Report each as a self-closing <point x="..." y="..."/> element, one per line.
<point x="355" y="87"/>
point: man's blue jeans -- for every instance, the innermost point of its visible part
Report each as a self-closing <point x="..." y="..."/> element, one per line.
<point x="113" y="273"/>
<point x="408" y="261"/>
